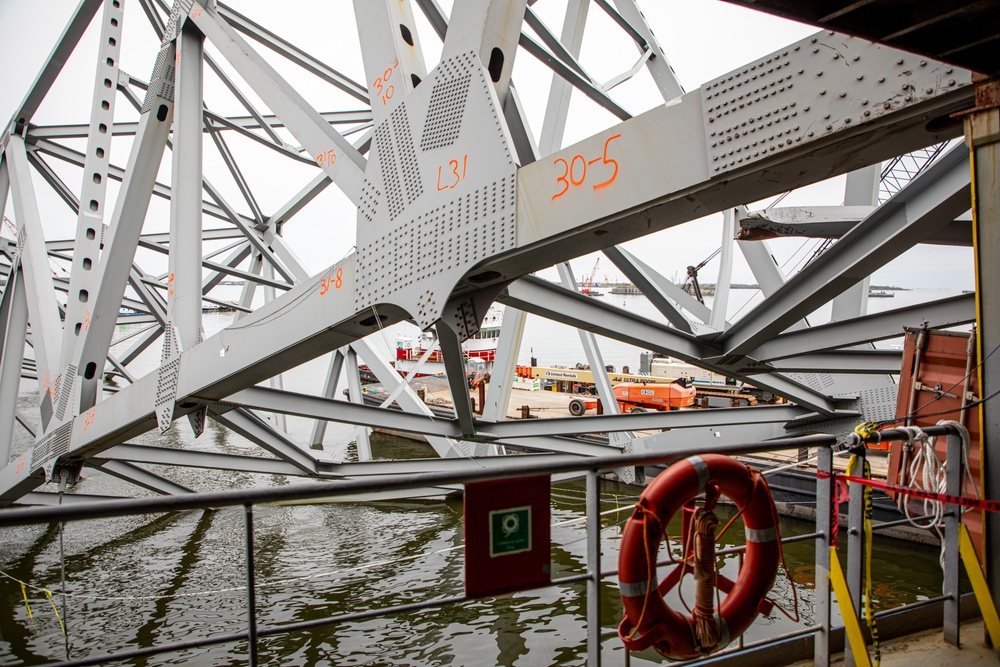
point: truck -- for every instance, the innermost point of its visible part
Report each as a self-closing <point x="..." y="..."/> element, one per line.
<point x="641" y="397"/>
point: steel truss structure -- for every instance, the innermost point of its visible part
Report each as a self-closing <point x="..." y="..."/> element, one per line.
<point x="459" y="200"/>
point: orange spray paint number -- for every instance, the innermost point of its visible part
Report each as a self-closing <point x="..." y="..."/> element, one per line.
<point x="453" y="173"/>
<point x="575" y="170"/>
<point x="329" y="157"/>
<point x="382" y="88"/>
<point x="336" y="281"/>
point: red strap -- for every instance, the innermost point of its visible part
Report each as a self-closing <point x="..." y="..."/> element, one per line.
<point x="964" y="501"/>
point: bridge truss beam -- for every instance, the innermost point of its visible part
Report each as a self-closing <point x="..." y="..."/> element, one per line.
<point x="456" y="205"/>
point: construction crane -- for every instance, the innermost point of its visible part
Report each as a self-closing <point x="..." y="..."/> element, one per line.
<point x="588" y="284"/>
<point x="692" y="279"/>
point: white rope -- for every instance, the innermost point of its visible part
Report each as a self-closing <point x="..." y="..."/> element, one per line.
<point x="926" y="465"/>
<point x="933" y="475"/>
<point x="797" y="463"/>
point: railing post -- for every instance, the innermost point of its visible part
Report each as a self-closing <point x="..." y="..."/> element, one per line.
<point x="855" y="542"/>
<point x="251" y="588"/>
<point x="593" y="569"/>
<point x="825" y="514"/>
<point x="952" y="522"/>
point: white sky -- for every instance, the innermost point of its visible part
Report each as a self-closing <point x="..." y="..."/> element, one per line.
<point x="702" y="39"/>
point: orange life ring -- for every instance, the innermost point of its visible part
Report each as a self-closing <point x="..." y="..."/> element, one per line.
<point x="648" y="620"/>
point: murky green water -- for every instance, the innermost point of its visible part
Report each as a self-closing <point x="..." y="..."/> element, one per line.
<point x="145" y="581"/>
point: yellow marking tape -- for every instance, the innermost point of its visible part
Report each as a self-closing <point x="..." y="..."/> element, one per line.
<point x="851" y="624"/>
<point x="979" y="586"/>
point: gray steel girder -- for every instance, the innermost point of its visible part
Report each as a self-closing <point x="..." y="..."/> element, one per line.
<point x="943" y="313"/>
<point x="536" y="296"/>
<point x="928" y="202"/>
<point x="672" y="164"/>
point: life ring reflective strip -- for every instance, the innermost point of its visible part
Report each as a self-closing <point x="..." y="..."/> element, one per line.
<point x="648" y="620"/>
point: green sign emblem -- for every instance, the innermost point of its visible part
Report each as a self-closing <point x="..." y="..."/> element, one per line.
<point x="510" y="531"/>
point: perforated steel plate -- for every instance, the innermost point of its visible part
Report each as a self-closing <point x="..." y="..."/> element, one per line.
<point x="440" y="194"/>
<point x="50" y="447"/>
<point x="809" y="90"/>
<point x="161" y="82"/>
<point x="166" y="382"/>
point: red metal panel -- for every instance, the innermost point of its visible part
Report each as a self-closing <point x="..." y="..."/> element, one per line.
<point x="507" y="535"/>
<point x="940" y="369"/>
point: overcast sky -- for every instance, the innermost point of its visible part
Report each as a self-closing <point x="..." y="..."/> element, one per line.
<point x="702" y="39"/>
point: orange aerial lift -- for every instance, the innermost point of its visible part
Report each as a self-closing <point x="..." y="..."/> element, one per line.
<point x="639" y="397"/>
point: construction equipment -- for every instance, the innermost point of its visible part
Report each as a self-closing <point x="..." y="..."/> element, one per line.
<point x="692" y="277"/>
<point x="641" y="397"/>
<point x="588" y="284"/>
<point x="476" y="373"/>
<point x="709" y="384"/>
<point x="584" y="378"/>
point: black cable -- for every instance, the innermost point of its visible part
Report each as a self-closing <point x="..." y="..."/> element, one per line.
<point x="942" y="412"/>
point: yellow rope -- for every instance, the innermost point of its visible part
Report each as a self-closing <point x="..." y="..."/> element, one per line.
<point x="55" y="611"/>
<point x="24" y="594"/>
<point x="651" y="583"/>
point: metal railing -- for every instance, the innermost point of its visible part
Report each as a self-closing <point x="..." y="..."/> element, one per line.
<point x="521" y="466"/>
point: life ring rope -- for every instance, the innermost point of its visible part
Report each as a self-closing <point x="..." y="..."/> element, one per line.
<point x="651" y="563"/>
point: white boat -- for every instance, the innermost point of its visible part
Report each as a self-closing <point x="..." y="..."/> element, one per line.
<point x="481" y="348"/>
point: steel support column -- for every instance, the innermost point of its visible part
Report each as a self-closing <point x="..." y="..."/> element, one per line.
<point x="184" y="291"/>
<point x="826" y="513"/>
<point x="90" y="216"/>
<point x="593" y="569"/>
<point x="124" y="230"/>
<point x="354" y="384"/>
<point x="13" y="331"/>
<point x="34" y="267"/>
<point x="329" y="389"/>
<point x="861" y="189"/>
<point x="982" y="135"/>
<point x="855" y="544"/>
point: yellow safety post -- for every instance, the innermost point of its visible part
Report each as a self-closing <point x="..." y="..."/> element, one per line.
<point x="851" y="624"/>
<point x="979" y="585"/>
